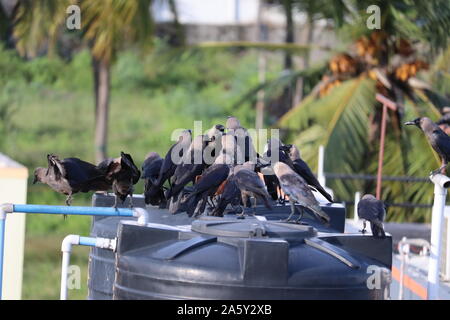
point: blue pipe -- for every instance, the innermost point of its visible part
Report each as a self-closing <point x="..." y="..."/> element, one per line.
<point x="88" y="241"/>
<point x="88" y="211"/>
<point x="46" y="209"/>
<point x="2" y="246"/>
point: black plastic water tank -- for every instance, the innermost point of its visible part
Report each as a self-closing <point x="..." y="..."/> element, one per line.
<point x="227" y="258"/>
<point x="101" y="262"/>
<point x="101" y="271"/>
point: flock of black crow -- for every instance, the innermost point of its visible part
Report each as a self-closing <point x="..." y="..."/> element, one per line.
<point x="206" y="173"/>
<point x="209" y="172"/>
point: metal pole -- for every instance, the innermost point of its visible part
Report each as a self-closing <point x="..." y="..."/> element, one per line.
<point x="320" y="166"/>
<point x="403" y="252"/>
<point x="381" y="153"/>
<point x="387" y="103"/>
<point x="441" y="182"/>
<point x="90" y="211"/>
<point x="355" y="212"/>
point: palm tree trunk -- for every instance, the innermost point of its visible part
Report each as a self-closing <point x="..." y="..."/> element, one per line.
<point x="286" y="98"/>
<point x="101" y="70"/>
<point x="289" y="32"/>
<point x="179" y="38"/>
<point x="298" y="96"/>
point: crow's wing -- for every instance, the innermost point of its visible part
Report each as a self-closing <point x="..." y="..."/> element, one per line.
<point x="296" y="188"/>
<point x="151" y="168"/>
<point x="55" y="164"/>
<point x="441" y="143"/>
<point x="79" y="171"/>
<point x="128" y="161"/>
<point x="272" y="183"/>
<point x="305" y="172"/>
<point x="371" y="210"/>
<point x="212" y="178"/>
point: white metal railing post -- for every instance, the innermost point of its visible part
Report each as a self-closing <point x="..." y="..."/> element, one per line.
<point x="441" y="183"/>
<point x="403" y="248"/>
<point x="357" y="199"/>
<point x="320" y="166"/>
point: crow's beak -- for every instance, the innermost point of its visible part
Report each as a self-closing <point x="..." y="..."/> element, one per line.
<point x="35" y="180"/>
<point x="410" y="123"/>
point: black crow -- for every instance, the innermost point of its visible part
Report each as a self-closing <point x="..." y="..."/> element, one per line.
<point x="305" y="172"/>
<point x="192" y="166"/>
<point x="176" y="151"/>
<point x="70" y="176"/>
<point x="207" y="185"/>
<point x="123" y="174"/>
<point x="275" y="151"/>
<point x="243" y="140"/>
<point x="373" y="210"/>
<point x="296" y="188"/>
<point x="171" y="160"/>
<point x="229" y="195"/>
<point x="150" y="173"/>
<point x="437" y="138"/>
<point x="214" y="146"/>
<point x="249" y="183"/>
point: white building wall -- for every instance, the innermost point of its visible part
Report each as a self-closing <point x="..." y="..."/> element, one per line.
<point x="13" y="189"/>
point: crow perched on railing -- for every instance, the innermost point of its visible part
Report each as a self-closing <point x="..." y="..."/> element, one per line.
<point x="70" y="176"/>
<point x="437" y="138"/>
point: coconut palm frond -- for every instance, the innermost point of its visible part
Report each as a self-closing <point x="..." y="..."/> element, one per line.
<point x="111" y="24"/>
<point x="273" y="87"/>
<point x="340" y="121"/>
<point x="312" y="110"/>
<point x="37" y="23"/>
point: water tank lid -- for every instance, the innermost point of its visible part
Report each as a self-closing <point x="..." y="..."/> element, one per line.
<point x="252" y="228"/>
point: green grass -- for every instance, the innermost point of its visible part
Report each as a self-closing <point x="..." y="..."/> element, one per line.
<point x="42" y="268"/>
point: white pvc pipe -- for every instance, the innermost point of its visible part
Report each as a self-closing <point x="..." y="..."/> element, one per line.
<point x="66" y="248"/>
<point x="320" y="166"/>
<point x="355" y="212"/>
<point x="142" y="215"/>
<point x="441" y="182"/>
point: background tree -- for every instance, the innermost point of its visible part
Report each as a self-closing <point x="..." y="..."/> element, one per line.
<point x="106" y="26"/>
<point x="340" y="110"/>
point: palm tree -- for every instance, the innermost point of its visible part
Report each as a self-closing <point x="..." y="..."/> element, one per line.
<point x="107" y="27"/>
<point x="341" y="111"/>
